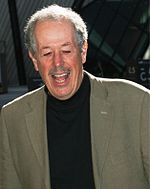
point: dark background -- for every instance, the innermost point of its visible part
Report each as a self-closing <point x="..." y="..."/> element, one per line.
<point x="118" y="40"/>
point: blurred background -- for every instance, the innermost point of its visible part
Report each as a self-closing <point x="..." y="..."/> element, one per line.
<point x="118" y="41"/>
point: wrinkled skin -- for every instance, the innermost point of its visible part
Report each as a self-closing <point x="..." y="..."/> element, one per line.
<point x="58" y="57"/>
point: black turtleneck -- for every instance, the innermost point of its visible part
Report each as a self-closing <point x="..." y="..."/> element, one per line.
<point x="69" y="142"/>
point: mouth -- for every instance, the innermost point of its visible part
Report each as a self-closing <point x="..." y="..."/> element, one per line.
<point x="61" y="78"/>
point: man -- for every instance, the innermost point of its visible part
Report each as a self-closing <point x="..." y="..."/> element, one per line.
<point x="77" y="131"/>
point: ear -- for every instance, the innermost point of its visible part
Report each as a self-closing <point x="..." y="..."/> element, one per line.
<point x="34" y="61"/>
<point x="84" y="52"/>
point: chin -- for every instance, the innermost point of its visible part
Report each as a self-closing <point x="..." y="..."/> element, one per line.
<point x="64" y="96"/>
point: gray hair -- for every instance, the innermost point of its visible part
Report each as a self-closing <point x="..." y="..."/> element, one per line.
<point x="55" y="12"/>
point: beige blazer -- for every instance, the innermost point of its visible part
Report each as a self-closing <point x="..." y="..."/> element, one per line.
<point x="120" y="137"/>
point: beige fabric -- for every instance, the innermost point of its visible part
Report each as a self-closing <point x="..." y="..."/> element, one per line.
<point x="120" y="137"/>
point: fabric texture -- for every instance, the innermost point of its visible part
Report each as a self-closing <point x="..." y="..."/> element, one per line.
<point x="120" y="138"/>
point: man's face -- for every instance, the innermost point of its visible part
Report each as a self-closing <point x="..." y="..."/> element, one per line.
<point x="58" y="57"/>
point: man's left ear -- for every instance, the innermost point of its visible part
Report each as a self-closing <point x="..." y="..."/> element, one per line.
<point x="84" y="52"/>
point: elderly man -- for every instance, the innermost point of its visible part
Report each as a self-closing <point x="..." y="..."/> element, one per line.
<point x="77" y="131"/>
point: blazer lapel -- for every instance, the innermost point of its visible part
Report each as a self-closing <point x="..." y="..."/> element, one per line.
<point x="37" y="132"/>
<point x="101" y="129"/>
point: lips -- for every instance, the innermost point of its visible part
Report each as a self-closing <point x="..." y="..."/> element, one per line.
<point x="61" y="78"/>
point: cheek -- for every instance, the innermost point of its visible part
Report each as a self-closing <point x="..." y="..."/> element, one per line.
<point x="43" y="65"/>
<point x="78" y="68"/>
<point x="43" y="69"/>
<point x="77" y="63"/>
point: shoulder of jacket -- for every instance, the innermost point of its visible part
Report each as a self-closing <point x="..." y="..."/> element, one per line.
<point x="117" y="87"/>
<point x="24" y="99"/>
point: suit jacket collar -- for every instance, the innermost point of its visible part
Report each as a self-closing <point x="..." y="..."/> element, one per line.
<point x="37" y="131"/>
<point x="101" y="127"/>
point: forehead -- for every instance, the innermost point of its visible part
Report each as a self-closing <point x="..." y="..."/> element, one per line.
<point x="54" y="27"/>
<point x="54" y="33"/>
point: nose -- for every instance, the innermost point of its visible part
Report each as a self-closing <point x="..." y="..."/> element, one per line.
<point x="58" y="60"/>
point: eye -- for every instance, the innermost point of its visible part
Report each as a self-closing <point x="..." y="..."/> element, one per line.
<point x="66" y="51"/>
<point x="47" y="54"/>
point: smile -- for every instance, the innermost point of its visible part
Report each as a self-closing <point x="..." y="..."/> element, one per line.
<point x="61" y="78"/>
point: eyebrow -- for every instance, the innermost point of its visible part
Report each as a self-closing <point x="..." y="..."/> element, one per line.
<point x="45" y="47"/>
<point x="66" y="44"/>
<point x="63" y="45"/>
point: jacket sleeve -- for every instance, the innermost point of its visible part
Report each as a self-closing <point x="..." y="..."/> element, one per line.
<point x="8" y="176"/>
<point x="145" y="135"/>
